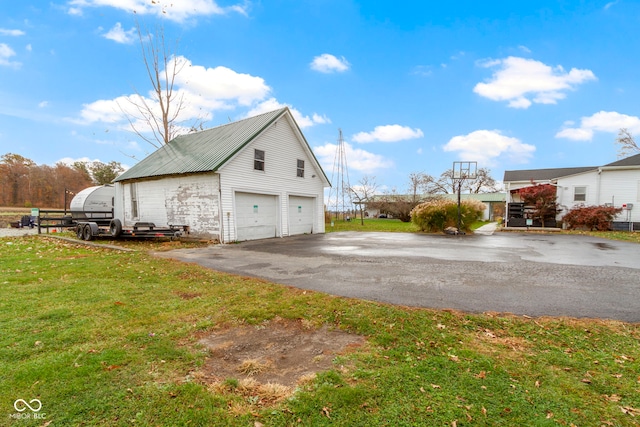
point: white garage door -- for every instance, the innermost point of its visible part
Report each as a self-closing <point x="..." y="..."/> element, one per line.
<point x="256" y="216"/>
<point x="301" y="214"/>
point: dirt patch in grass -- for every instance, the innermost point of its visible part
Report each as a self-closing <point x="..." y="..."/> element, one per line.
<point x="283" y="352"/>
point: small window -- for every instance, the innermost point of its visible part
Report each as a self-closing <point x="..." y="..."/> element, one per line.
<point x="300" y="171"/>
<point x="579" y="194"/>
<point x="258" y="160"/>
<point x="134" y="200"/>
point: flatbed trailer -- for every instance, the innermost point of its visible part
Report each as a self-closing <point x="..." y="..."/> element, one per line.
<point x="89" y="230"/>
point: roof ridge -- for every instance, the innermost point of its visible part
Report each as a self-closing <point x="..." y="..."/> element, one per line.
<point x="237" y="122"/>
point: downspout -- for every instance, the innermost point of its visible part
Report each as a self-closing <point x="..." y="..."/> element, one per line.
<point x="598" y="186"/>
<point x="506" y="205"/>
<point x="220" y="210"/>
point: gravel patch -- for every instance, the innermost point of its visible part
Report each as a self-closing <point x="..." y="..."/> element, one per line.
<point x="17" y="232"/>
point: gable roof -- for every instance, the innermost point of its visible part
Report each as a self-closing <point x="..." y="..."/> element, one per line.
<point x="208" y="150"/>
<point x="543" y="174"/>
<point x="629" y="161"/>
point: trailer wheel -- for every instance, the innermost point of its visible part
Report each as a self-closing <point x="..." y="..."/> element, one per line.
<point x="86" y="233"/>
<point x="115" y="227"/>
<point x="79" y="229"/>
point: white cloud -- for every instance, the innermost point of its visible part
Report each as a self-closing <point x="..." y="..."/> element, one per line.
<point x="484" y="146"/>
<point x="220" y="83"/>
<point x="320" y="119"/>
<point x="43" y="104"/>
<point x="327" y="63"/>
<point x="602" y="121"/>
<point x="610" y="4"/>
<point x="178" y="11"/>
<point x="357" y="159"/>
<point x="5" y="54"/>
<point x="522" y="81"/>
<point x="119" y="35"/>
<point x="303" y="121"/>
<point x="203" y="91"/>
<point x="576" y="134"/>
<point x="12" y="33"/>
<point x="524" y="49"/>
<point x="388" y="133"/>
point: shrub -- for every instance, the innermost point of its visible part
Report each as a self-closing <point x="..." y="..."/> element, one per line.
<point x="590" y="217"/>
<point x="436" y="215"/>
<point x="543" y="199"/>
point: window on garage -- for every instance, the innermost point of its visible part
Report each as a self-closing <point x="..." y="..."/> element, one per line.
<point x="134" y="200"/>
<point x="300" y="169"/>
<point x="579" y="194"/>
<point x="258" y="160"/>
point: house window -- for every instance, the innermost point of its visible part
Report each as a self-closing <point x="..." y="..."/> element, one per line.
<point x="258" y="160"/>
<point x="134" y="200"/>
<point x="579" y="194"/>
<point x="300" y="170"/>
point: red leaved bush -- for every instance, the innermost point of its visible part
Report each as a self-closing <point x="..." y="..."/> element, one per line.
<point x="591" y="217"/>
<point x="543" y="198"/>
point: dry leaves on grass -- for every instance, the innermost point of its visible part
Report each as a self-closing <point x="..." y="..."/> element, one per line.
<point x="630" y="411"/>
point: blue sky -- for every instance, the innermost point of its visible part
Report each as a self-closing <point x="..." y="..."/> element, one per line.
<point x="414" y="85"/>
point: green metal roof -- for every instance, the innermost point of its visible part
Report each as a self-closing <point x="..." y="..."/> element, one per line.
<point x="483" y="197"/>
<point x="203" y="151"/>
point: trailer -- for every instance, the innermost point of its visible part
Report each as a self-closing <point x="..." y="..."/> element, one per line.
<point x="92" y="216"/>
<point x="88" y="230"/>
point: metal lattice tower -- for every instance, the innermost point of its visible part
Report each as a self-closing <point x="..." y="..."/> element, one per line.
<point x="340" y="202"/>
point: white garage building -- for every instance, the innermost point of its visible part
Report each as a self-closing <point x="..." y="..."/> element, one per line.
<point x="252" y="179"/>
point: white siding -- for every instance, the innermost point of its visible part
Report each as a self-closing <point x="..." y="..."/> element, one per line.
<point x="190" y="200"/>
<point x="620" y="187"/>
<point x="282" y="150"/>
<point x="616" y="187"/>
<point x="566" y="190"/>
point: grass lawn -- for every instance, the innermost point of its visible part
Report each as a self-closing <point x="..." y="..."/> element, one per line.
<point x="371" y="224"/>
<point x="107" y="338"/>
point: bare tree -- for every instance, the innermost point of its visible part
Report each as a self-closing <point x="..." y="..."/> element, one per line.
<point x="161" y="113"/>
<point x="484" y="183"/>
<point x="363" y="193"/>
<point x="441" y="185"/>
<point x="627" y="143"/>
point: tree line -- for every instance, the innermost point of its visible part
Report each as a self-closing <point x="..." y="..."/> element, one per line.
<point x="27" y="184"/>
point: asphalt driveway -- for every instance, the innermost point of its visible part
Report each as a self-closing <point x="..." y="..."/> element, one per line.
<point x="525" y="274"/>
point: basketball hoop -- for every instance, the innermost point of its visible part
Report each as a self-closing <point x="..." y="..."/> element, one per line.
<point x="462" y="171"/>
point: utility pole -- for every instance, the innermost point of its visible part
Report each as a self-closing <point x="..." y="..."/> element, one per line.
<point x="340" y="192"/>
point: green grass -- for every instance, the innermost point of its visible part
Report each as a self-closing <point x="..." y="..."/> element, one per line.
<point x="103" y="338"/>
<point x="371" y="224"/>
<point x="380" y="224"/>
<point x="625" y="236"/>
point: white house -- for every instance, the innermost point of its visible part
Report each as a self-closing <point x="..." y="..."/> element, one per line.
<point x="251" y="179"/>
<point x="616" y="184"/>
